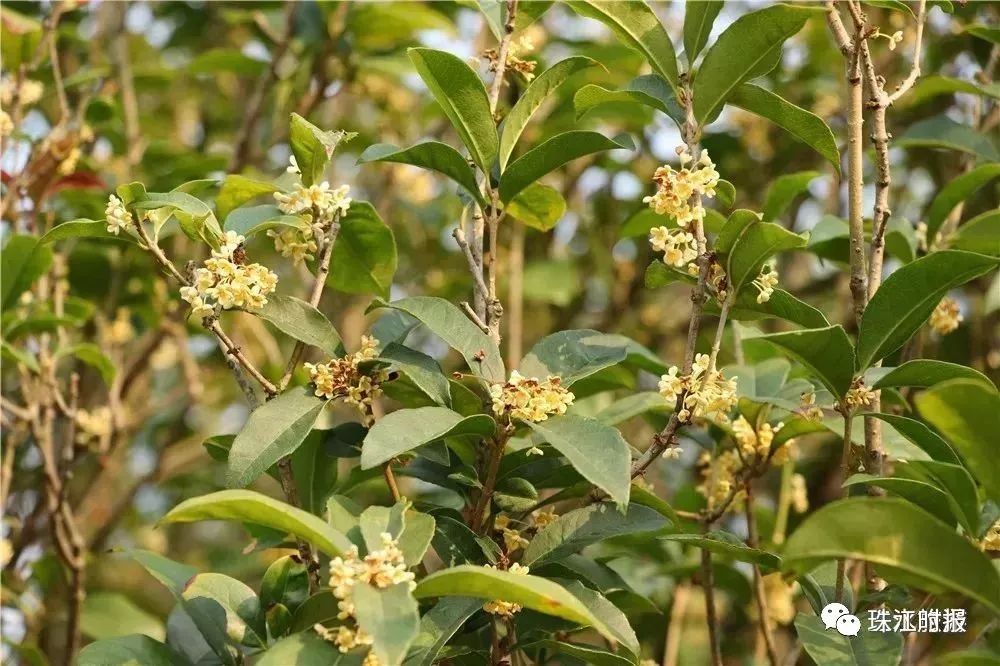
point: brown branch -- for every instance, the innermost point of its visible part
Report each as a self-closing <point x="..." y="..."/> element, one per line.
<point x="515" y="297"/>
<point x="760" y="594"/>
<point x="711" y="616"/>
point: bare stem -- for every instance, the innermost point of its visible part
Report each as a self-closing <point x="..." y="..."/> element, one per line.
<point x="515" y="297"/>
<point x="758" y="581"/>
<point x="845" y="462"/>
<point x="711" y="616"/>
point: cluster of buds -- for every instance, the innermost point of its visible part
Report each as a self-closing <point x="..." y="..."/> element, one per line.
<point x="505" y="609"/>
<point x="780" y="598"/>
<point x="946" y="316"/>
<point x="677" y="245"/>
<point x="679" y="192"/>
<point x="343" y="378"/>
<point x="522" y="46"/>
<point x="706" y="392"/>
<point x="808" y="409"/>
<point x="117" y="216"/>
<point x="322" y="204"/>
<point x="859" y="394"/>
<point x="226" y="281"/>
<point x="754" y="443"/>
<point x="93" y="426"/>
<point x="799" y="493"/>
<point x="513" y="538"/>
<point x="381" y="568"/>
<point x="530" y="399"/>
<point x="719" y="476"/>
<point x="765" y="283"/>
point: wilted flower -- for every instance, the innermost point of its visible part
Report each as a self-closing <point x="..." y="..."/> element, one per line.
<point x="946" y="316"/>
<point x="808" y="408"/>
<point x="858" y="394"/>
<point x="529" y="399"/>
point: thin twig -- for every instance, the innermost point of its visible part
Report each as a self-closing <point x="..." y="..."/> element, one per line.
<point x="515" y="297"/>
<point x="474" y="268"/>
<point x="760" y="594"/>
<point x="711" y="616"/>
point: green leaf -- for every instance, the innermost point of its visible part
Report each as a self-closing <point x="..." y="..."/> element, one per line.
<point x="537" y="206"/>
<point x="928" y="497"/>
<point x="81" y="229"/>
<point x="781" y="305"/>
<point x="829" y="648"/>
<point x="460" y="92"/>
<point x="967" y="413"/>
<point x="807" y="127"/>
<point x="573" y="355"/>
<point x="250" y="507"/>
<point x="412" y="529"/>
<point x="285" y="582"/>
<point x="925" y="372"/>
<point x="636" y="26"/>
<point x="16" y="355"/>
<point x="650" y="90"/>
<point x="364" y="257"/>
<point x="893" y="534"/>
<point x="495" y="12"/>
<point x="532" y="98"/>
<point x="574" y="531"/>
<point x="908" y="297"/>
<point x="407" y="429"/>
<point x="956" y="482"/>
<point x="698" y="20"/>
<point x="607" y="613"/>
<point x="980" y="234"/>
<point x="110" y="614"/>
<point x="23" y="260"/>
<point x="236" y="190"/>
<point x="306" y="648"/>
<point x="455" y="543"/>
<point x="582" y="653"/>
<point x="783" y="191"/>
<point x="274" y="430"/>
<point x="749" y="47"/>
<point x="827" y="352"/>
<point x="242" y="621"/>
<point x="432" y="155"/>
<point x="929" y="87"/>
<point x="423" y="371"/>
<point x="955" y="192"/>
<point x="758" y="242"/>
<point x="313" y="148"/>
<point x="437" y="626"/>
<point x="226" y="60"/>
<point x="301" y="321"/>
<point x="597" y="451"/>
<point x="134" y="650"/>
<point x="255" y="219"/>
<point x="390" y="616"/>
<point x="19" y="39"/>
<point x="552" y="154"/>
<point x="985" y="32"/>
<point x="530" y="591"/>
<point x="943" y="132"/>
<point x="728" y="545"/>
<point x="451" y="325"/>
<point x="920" y="435"/>
<point x="92" y="355"/>
<point x="631" y="406"/>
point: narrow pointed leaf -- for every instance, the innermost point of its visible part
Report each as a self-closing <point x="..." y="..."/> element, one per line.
<point x="390" y="616"/>
<point x="827" y="352"/>
<point x="432" y="155"/>
<point x="301" y="321"/>
<point x="956" y="192"/>
<point x="698" y="20"/>
<point x="574" y="531"/>
<point x="407" y="429"/>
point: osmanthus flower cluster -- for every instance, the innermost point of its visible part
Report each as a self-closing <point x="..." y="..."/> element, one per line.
<point x="225" y="281"/>
<point x="323" y="204"/>
<point x="380" y="568"/>
<point x="515" y="539"/>
<point x="707" y="392"/>
<point x="501" y="608"/>
<point x="946" y="316"/>
<point x="530" y="399"/>
<point x="859" y="395"/>
<point x="344" y="378"/>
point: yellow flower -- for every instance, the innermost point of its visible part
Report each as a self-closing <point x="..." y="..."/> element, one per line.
<point x="765" y="283"/>
<point x="706" y="394"/>
<point x="678" y="246"/>
<point x="225" y="281"/>
<point x="991" y="540"/>
<point x="342" y="378"/>
<point x="946" y="316"/>
<point x="800" y="494"/>
<point x="319" y="200"/>
<point x="505" y="608"/>
<point x="858" y="394"/>
<point x="679" y="192"/>
<point x="117" y="216"/>
<point x="529" y="399"/>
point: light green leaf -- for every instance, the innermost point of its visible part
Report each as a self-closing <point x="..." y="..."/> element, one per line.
<point x="412" y="530"/>
<point x="574" y="531"/>
<point x="390" y="616"/>
<point x="636" y="26"/>
<point x="306" y="648"/>
<point x="920" y="435"/>
<point x="827" y="352"/>
<point x="19" y="39"/>
<point x="597" y="451"/>
<point x="748" y="48"/>
<point x="929" y="87"/>
<point x="607" y="613"/>
<point x="552" y="281"/>
<point x="236" y="190"/>
<point x="758" y="242"/>
<point x="908" y="297"/>
<point x="453" y="326"/>
<point x="250" y="507"/>
<point x="364" y="257"/>
<point x="82" y="229"/>
<point x="943" y="132"/>
<point x="110" y="614"/>
<point x="530" y="591"/>
<point x="226" y="60"/>
<point x="552" y="154"/>
<point x="532" y="98"/>
<point x="783" y="191"/>
<point x="927" y="372"/>
<point x="728" y="545"/>
<point x="495" y="12"/>
<point x="980" y="234"/>
<point x="407" y="429"/>
<point x="829" y="648"/>
<point x="460" y="92"/>
<point x="955" y="192"/>
<point x="23" y="260"/>
<point x="242" y="621"/>
<point x="13" y="354"/>
<point x="698" y="20"/>
<point x="650" y="90"/>
<point x="92" y="355"/>
<point x="253" y="220"/>
<point x="537" y="206"/>
<point x="432" y="155"/>
<point x="437" y="626"/>
<point x="134" y="650"/>
<point x="313" y="147"/>
<point x="573" y="355"/>
<point x="631" y="406"/>
<point x="274" y="430"/>
<point x="967" y="413"/>
<point x="906" y="543"/>
<point x="301" y="321"/>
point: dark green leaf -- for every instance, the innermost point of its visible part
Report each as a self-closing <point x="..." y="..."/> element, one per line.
<point x="407" y="429"/>
<point x="313" y="147"/>
<point x="758" y="243"/>
<point x="728" y="545"/>
<point x="23" y="260"/>
<point x="437" y="626"/>
<point x="698" y="20"/>
<point x="301" y="321"/>
<point x="783" y="191"/>
<point x="364" y="257"/>
<point x="831" y="649"/>
<point x="390" y="616"/>
<point x="576" y="530"/>
<point x="82" y="229"/>
<point x="432" y="155"/>
<point x="827" y="352"/>
<point x="980" y="234"/>
<point x="956" y="192"/>
<point x="925" y="372"/>
<point x="285" y="582"/>
<point x="943" y="132"/>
